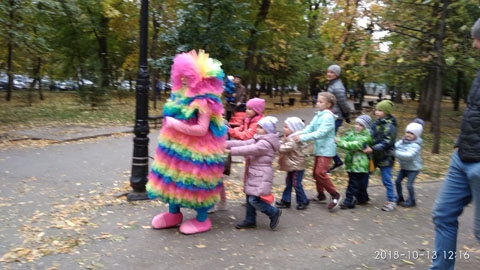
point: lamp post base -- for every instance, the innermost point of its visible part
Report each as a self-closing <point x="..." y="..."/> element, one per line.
<point x="137" y="196"/>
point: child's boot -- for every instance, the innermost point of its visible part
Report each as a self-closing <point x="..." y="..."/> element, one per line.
<point x="409" y="203"/>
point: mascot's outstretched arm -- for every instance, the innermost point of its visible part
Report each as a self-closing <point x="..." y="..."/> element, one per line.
<point x="199" y="129"/>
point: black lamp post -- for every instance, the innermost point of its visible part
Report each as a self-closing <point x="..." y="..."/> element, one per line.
<point x="138" y="179"/>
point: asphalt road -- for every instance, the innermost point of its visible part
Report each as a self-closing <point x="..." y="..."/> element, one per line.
<point x="60" y="210"/>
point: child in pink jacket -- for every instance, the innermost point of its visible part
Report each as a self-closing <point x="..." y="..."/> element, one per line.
<point x="254" y="113"/>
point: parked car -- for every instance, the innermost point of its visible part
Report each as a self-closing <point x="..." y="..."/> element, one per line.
<point x="86" y="82"/>
<point x="3" y="83"/>
<point x="19" y="85"/>
<point x="125" y="85"/>
<point x="60" y="86"/>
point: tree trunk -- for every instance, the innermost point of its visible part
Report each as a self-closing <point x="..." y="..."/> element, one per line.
<point x="37" y="79"/>
<point x="252" y="66"/>
<point x="103" y="46"/>
<point x="437" y="100"/>
<point x="312" y="26"/>
<point x="153" y="54"/>
<point x="10" y="51"/>
<point x="459" y="89"/>
<point x="424" y="110"/>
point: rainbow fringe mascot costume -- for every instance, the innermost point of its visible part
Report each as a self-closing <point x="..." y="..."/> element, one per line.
<point x="188" y="167"/>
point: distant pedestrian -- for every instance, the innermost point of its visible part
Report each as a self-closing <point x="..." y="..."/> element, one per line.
<point x="408" y="151"/>
<point x="341" y="108"/>
<point x="292" y="160"/>
<point x="462" y="183"/>
<point x="258" y="179"/>
<point x="356" y="161"/>
<point x="229" y="95"/>
<point x="321" y="130"/>
<point x="384" y="133"/>
<point x="236" y="99"/>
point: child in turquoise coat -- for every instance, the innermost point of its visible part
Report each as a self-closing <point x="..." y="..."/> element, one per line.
<point x="321" y="130"/>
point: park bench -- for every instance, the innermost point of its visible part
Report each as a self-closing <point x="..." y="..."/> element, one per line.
<point x="291" y="102"/>
<point x="307" y="102"/>
<point x="156" y="120"/>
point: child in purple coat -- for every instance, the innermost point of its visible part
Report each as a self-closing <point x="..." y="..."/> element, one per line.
<point x="258" y="179"/>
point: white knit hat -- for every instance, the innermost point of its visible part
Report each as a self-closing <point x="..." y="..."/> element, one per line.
<point x="294" y="123"/>
<point x="268" y="123"/>
<point x="415" y="128"/>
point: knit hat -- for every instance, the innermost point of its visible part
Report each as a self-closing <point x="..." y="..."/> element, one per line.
<point x="476" y="29"/>
<point x="268" y="123"/>
<point x="335" y="69"/>
<point x="257" y="105"/>
<point x="415" y="128"/>
<point x="385" y="106"/>
<point x="364" y="120"/>
<point x="418" y="121"/>
<point x="294" y="124"/>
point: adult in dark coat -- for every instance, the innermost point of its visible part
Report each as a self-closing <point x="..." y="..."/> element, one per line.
<point x="462" y="183"/>
<point x="341" y="107"/>
<point x="240" y="96"/>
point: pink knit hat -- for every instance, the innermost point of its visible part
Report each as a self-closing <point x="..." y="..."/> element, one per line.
<point x="257" y="105"/>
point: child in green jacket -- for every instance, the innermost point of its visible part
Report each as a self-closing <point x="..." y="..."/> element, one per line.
<point x="356" y="161"/>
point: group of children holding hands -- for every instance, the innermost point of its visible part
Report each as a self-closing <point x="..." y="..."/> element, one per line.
<point x="189" y="158"/>
<point x="368" y="142"/>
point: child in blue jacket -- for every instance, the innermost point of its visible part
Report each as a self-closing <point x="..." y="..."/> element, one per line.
<point x="408" y="152"/>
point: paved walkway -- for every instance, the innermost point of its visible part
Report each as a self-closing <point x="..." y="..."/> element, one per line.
<point x="60" y="210"/>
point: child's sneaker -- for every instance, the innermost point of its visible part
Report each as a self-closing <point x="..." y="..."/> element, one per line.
<point x="389" y="206"/>
<point x="334" y="201"/>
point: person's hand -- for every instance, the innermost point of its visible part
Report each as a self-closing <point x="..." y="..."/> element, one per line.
<point x="296" y="138"/>
<point x="368" y="150"/>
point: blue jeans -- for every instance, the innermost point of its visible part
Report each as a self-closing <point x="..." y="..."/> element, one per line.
<point x="387" y="183"/>
<point x="461" y="185"/>
<point x="294" y="178"/>
<point x="254" y="203"/>
<point x="338" y="124"/>
<point x="410" y="175"/>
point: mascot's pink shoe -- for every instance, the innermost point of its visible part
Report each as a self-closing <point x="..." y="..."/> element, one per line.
<point x="166" y="220"/>
<point x="193" y="226"/>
